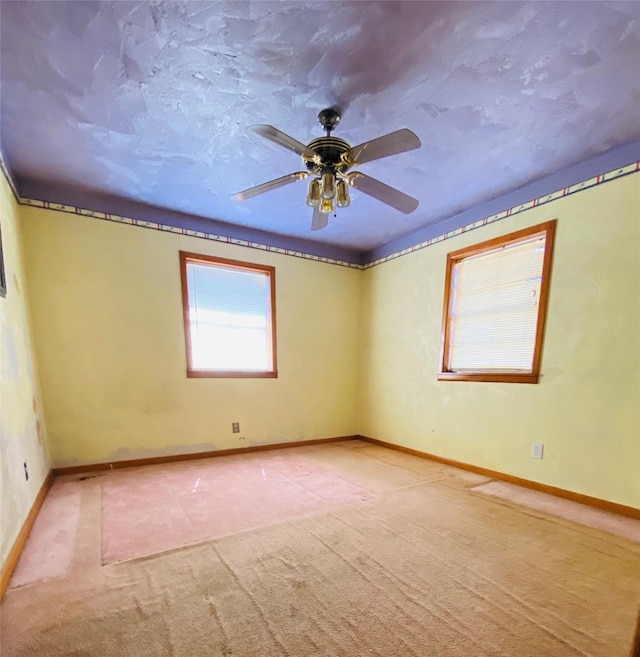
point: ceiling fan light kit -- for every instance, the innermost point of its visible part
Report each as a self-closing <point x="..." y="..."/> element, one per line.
<point x="328" y="159"/>
<point x="313" y="196"/>
<point x="342" y="194"/>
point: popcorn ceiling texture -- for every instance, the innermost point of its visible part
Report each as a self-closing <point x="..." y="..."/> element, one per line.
<point x="150" y="101"/>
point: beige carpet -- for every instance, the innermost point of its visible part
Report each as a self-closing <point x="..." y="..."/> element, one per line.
<point x="557" y="506"/>
<point x="423" y="567"/>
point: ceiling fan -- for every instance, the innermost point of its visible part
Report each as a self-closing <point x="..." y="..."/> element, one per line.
<point x="328" y="160"/>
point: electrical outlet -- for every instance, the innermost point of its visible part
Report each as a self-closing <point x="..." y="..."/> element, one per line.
<point x="26" y="471"/>
<point x="537" y="450"/>
<point x="235" y="427"/>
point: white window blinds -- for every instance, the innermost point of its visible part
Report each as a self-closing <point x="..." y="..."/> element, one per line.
<point x="494" y="305"/>
<point x="229" y="318"/>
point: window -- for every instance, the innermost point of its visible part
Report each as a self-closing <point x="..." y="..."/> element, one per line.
<point x="495" y="307"/>
<point x="229" y="317"/>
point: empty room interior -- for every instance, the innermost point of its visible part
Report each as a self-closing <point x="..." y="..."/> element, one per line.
<point x="319" y="329"/>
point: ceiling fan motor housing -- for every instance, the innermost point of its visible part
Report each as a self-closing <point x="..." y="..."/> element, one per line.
<point x="335" y="155"/>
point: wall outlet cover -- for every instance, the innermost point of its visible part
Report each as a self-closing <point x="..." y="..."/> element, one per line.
<point x="537" y="450"/>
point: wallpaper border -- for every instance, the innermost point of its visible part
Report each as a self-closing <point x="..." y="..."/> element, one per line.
<point x="614" y="174"/>
<point x="608" y="176"/>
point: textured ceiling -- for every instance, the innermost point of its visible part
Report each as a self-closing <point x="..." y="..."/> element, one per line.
<point x="150" y="101"/>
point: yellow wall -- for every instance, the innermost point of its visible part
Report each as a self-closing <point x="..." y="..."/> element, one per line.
<point x="357" y="351"/>
<point x="107" y="313"/>
<point x="22" y="431"/>
<point x="586" y="409"/>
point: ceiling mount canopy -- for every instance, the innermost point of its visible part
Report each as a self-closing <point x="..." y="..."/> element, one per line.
<point x="328" y="161"/>
<point x="329" y="119"/>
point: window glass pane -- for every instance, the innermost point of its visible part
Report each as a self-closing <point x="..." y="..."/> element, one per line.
<point x="229" y="318"/>
<point x="493" y="311"/>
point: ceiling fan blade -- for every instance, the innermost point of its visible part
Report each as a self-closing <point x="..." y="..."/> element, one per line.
<point x="389" y="195"/>
<point x="272" y="184"/>
<point x="391" y="144"/>
<point x="284" y="140"/>
<point x="319" y="219"/>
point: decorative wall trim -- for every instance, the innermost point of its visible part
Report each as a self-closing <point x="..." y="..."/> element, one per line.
<point x="18" y="545"/>
<point x="171" y="458"/>
<point x="605" y="505"/>
<point x="509" y="212"/>
<point x="105" y="216"/>
<point x="614" y="174"/>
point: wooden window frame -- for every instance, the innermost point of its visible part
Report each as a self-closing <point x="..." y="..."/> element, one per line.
<point x="187" y="257"/>
<point x="548" y="229"/>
